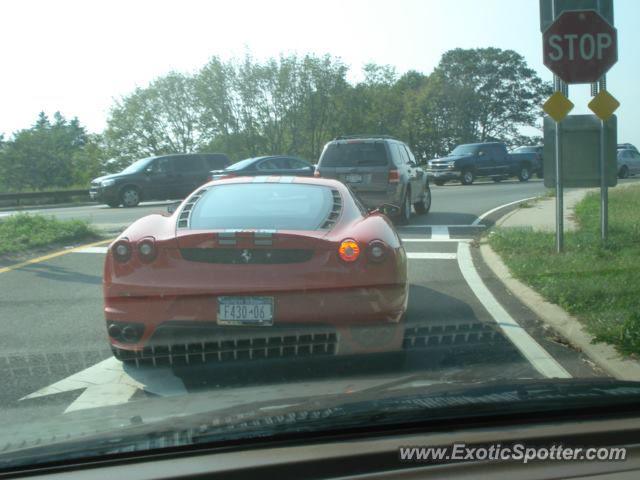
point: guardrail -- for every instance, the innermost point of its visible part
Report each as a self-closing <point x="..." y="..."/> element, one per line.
<point x="60" y="196"/>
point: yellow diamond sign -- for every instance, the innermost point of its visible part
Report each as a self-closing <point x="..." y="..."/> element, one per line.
<point x="557" y="106"/>
<point x="603" y="105"/>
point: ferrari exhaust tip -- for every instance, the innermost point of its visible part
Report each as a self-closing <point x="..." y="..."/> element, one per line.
<point x="114" y="330"/>
<point x="129" y="334"/>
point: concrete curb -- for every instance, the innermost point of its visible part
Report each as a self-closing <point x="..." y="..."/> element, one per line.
<point x="604" y="355"/>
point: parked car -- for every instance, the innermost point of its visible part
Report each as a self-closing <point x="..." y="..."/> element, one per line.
<point x="247" y="270"/>
<point x="538" y="150"/>
<point x="470" y="161"/>
<point x="380" y="170"/>
<point x="627" y="146"/>
<point x="164" y="177"/>
<point x="269" y="165"/>
<point x="628" y="163"/>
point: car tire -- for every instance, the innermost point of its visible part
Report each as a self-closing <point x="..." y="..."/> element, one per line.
<point x="405" y="211"/>
<point x="496" y="179"/>
<point x="113" y="204"/>
<point x="439" y="182"/>
<point x="467" y="177"/>
<point x="130" y="197"/>
<point x="424" y="205"/>
<point x="623" y="172"/>
<point x="524" y="174"/>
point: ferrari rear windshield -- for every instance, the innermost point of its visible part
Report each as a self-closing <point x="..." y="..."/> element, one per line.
<point x="272" y="206"/>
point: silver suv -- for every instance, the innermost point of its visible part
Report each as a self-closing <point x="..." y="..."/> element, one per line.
<point x="380" y="170"/>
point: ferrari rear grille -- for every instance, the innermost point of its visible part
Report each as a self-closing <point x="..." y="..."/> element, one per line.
<point x="332" y="218"/>
<point x="232" y="349"/>
<point x="247" y="256"/>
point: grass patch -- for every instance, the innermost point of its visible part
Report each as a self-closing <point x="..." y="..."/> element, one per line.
<point x="600" y="284"/>
<point x="22" y="232"/>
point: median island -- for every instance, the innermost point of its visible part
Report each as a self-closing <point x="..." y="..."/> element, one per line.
<point x="599" y="284"/>
<point x="22" y="233"/>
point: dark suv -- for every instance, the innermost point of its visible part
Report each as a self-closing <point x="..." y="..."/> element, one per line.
<point x="157" y="178"/>
<point x="380" y="170"/>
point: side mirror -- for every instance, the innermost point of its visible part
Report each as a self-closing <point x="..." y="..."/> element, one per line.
<point x="173" y="207"/>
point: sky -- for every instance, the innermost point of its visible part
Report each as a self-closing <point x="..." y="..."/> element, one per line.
<point x="78" y="57"/>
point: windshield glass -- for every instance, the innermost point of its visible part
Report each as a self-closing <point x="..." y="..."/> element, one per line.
<point x="137" y="166"/>
<point x="354" y="154"/>
<point x="262" y="206"/>
<point x="241" y="164"/>
<point x="465" y="150"/>
<point x="403" y="278"/>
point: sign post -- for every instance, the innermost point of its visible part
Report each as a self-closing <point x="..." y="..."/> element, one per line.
<point x="580" y="46"/>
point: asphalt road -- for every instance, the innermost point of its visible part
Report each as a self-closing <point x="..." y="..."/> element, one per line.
<point x="52" y="328"/>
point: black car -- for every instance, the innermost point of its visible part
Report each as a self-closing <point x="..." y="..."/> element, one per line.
<point x="156" y="178"/>
<point x="269" y="165"/>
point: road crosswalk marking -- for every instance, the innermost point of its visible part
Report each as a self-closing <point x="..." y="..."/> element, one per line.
<point x="430" y="256"/>
<point x="439" y="233"/>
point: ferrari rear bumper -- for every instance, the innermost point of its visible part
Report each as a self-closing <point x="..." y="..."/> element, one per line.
<point x="325" y="322"/>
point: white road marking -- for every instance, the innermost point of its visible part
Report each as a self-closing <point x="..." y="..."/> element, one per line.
<point x="92" y="250"/>
<point x="430" y="256"/>
<point x="532" y="351"/>
<point x="430" y="240"/>
<point x="477" y="221"/>
<point x="439" y="233"/>
<point x="111" y="383"/>
<point x="448" y="226"/>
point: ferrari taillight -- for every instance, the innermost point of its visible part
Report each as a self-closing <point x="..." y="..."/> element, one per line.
<point x="349" y="250"/>
<point x="147" y="250"/>
<point x="121" y="251"/>
<point x="394" y="176"/>
<point x="377" y="251"/>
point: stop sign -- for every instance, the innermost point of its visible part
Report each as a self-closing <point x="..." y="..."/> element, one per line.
<point x="580" y="46"/>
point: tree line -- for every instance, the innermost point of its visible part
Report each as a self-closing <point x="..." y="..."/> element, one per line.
<point x="287" y="105"/>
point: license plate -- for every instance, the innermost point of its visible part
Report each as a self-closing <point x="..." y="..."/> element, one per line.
<point x="353" y="178"/>
<point x="245" y="311"/>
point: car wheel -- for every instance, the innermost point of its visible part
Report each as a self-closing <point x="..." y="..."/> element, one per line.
<point x="405" y="212"/>
<point x="424" y="205"/>
<point x="130" y="197"/>
<point x="524" y="175"/>
<point x="496" y="179"/>
<point x="439" y="182"/>
<point x="624" y="172"/>
<point x="113" y="204"/>
<point x="468" y="177"/>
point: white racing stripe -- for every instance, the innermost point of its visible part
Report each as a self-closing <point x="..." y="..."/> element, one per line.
<point x="532" y="351"/>
<point x="430" y="256"/>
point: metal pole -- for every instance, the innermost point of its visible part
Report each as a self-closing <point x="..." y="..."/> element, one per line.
<point x="558" y="87"/>
<point x="604" y="189"/>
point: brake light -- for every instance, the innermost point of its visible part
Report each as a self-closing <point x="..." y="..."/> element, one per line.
<point x="394" y="176"/>
<point x="121" y="251"/>
<point x="349" y="250"/>
<point x="147" y="250"/>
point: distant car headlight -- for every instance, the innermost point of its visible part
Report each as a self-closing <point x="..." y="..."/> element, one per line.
<point x="107" y="183"/>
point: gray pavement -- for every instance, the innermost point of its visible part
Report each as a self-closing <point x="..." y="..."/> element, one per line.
<point x="53" y="329"/>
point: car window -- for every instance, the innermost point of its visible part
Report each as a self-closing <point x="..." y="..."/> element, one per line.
<point x="161" y="165"/>
<point x="216" y="163"/>
<point x="297" y="164"/>
<point x="188" y="164"/>
<point x="263" y="206"/>
<point x="354" y="154"/>
<point x="274" y="164"/>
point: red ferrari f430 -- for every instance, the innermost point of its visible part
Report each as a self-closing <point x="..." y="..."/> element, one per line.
<point x="257" y="268"/>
